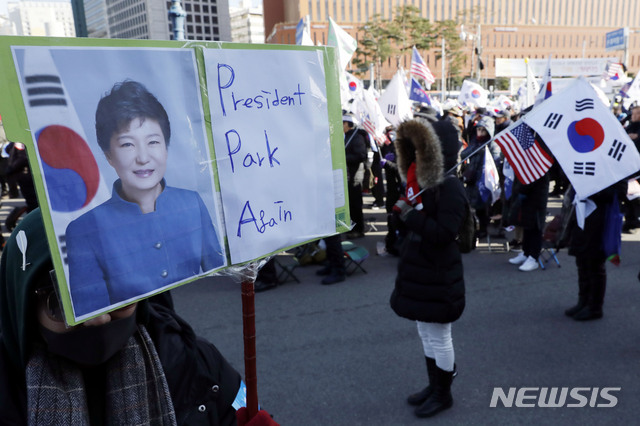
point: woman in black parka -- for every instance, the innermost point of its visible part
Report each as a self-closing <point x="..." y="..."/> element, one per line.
<point x="429" y="287"/>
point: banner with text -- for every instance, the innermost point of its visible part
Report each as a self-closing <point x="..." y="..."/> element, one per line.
<point x="157" y="163"/>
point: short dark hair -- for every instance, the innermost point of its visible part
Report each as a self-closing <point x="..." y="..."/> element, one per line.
<point x="125" y="102"/>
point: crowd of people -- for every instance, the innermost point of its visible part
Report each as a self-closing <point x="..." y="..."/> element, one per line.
<point x="431" y="168"/>
<point x="424" y="173"/>
<point x="16" y="181"/>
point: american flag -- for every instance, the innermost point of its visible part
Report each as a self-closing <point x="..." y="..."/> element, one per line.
<point x="420" y="69"/>
<point x="370" y="128"/>
<point x="613" y="71"/>
<point x="528" y="160"/>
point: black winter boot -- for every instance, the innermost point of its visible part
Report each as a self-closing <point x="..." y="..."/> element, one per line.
<point x="597" y="288"/>
<point x="440" y="398"/>
<point x="583" y="293"/>
<point x="419" y="397"/>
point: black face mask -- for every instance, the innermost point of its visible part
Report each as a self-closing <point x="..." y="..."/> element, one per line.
<point x="483" y="138"/>
<point x="91" y="346"/>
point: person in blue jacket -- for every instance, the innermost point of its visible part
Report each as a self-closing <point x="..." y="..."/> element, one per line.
<point x="148" y="235"/>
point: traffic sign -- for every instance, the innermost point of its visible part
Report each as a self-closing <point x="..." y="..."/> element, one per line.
<point x="616" y="40"/>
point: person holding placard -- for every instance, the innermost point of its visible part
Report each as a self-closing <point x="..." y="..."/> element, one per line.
<point x="148" y="235"/>
<point x="140" y="364"/>
<point x="429" y="286"/>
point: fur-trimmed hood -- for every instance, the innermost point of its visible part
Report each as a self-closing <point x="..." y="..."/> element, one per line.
<point x="416" y="140"/>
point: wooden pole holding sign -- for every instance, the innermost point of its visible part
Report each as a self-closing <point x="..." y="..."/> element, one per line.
<point x="249" y="333"/>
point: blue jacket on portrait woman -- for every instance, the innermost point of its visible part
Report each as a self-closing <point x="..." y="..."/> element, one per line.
<point x="116" y="252"/>
<point x="430" y="283"/>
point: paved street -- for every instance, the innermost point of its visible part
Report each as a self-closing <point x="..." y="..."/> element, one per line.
<point x="338" y="355"/>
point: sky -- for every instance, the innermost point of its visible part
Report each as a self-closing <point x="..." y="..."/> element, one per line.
<point x="237" y="3"/>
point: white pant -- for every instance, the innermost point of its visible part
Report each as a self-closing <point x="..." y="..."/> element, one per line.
<point x="437" y="343"/>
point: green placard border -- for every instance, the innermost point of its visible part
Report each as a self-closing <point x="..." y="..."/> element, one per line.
<point x="16" y="124"/>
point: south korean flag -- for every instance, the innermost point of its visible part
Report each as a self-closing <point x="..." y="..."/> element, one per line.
<point x="590" y="144"/>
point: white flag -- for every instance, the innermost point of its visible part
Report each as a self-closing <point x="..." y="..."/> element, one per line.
<point x="500" y="104"/>
<point x="545" y="89"/>
<point x="473" y="94"/>
<point x="589" y="143"/>
<point x="303" y="32"/>
<point x="631" y="92"/>
<point x="371" y="115"/>
<point x="532" y="87"/>
<point x="351" y="88"/>
<point x="341" y="39"/>
<point x="489" y="185"/>
<point x="394" y="101"/>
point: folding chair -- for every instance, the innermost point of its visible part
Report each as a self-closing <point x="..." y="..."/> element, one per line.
<point x="546" y="254"/>
<point x="355" y="256"/>
<point x="371" y="224"/>
<point x="286" y="272"/>
<point x="550" y="236"/>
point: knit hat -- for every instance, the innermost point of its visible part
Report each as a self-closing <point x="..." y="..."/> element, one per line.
<point x="17" y="286"/>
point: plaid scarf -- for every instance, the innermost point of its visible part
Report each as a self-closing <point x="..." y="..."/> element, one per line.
<point x="136" y="392"/>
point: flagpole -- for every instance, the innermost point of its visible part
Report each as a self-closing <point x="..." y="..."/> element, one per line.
<point x="372" y="74"/>
<point x="355" y="130"/>
<point x="442" y="95"/>
<point x="626" y="46"/>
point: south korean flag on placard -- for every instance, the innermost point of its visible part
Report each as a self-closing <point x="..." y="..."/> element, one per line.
<point x="590" y="144"/>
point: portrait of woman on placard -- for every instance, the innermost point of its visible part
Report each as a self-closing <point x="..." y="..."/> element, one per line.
<point x="148" y="234"/>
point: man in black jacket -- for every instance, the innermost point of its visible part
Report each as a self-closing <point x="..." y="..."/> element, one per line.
<point x="355" y="145"/>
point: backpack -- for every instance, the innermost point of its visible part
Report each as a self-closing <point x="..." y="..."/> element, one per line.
<point x="558" y="231"/>
<point x="468" y="228"/>
<point x="309" y="253"/>
<point x="466" y="237"/>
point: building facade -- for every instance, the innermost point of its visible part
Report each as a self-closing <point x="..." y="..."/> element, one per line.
<point x="7" y="27"/>
<point x="500" y="28"/>
<point x="35" y="18"/>
<point x="573" y="13"/>
<point x="148" y="19"/>
<point x="247" y="23"/>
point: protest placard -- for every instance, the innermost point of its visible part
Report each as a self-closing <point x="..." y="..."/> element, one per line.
<point x="157" y="163"/>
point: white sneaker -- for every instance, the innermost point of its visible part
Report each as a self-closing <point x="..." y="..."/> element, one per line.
<point x="518" y="259"/>
<point x="530" y="264"/>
